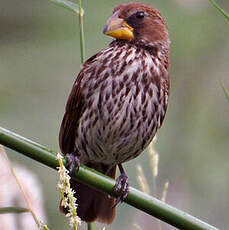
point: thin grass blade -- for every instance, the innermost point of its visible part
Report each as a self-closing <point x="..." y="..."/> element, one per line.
<point x="226" y="15"/>
<point x="6" y="210"/>
<point x="225" y="92"/>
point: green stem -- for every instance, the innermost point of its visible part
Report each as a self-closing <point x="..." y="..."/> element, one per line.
<point x="6" y="210"/>
<point x="82" y="45"/>
<point x="80" y="12"/>
<point x="94" y="179"/>
<point x="91" y="226"/>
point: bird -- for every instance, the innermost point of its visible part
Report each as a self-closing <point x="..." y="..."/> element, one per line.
<point x="117" y="103"/>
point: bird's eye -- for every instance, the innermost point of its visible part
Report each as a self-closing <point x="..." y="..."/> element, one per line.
<point x="140" y="14"/>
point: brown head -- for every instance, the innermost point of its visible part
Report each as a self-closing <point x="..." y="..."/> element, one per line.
<point x="138" y="23"/>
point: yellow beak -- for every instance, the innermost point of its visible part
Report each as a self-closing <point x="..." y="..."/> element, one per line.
<point x="118" y="28"/>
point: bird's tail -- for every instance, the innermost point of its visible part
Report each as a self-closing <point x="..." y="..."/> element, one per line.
<point x="92" y="204"/>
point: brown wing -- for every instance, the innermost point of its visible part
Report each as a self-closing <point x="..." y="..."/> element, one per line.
<point x="74" y="108"/>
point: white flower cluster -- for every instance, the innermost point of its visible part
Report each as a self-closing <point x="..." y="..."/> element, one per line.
<point x="67" y="194"/>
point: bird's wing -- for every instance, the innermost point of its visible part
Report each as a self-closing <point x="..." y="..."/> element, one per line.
<point x="74" y="108"/>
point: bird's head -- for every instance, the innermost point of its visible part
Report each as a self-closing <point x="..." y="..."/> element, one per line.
<point x="137" y="23"/>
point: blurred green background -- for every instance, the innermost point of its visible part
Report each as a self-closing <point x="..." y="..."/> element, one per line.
<point x="40" y="58"/>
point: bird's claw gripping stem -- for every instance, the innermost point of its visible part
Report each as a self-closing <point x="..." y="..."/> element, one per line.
<point x="123" y="185"/>
<point x="72" y="161"/>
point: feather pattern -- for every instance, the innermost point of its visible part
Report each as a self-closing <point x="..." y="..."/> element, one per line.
<point x="117" y="101"/>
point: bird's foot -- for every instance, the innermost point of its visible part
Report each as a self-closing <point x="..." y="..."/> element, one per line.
<point x="72" y="161"/>
<point x="123" y="185"/>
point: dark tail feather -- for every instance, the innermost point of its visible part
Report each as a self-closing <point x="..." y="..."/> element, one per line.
<point x="92" y="204"/>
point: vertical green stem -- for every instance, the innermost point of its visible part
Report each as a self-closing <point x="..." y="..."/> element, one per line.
<point x="82" y="45"/>
<point x="91" y="226"/>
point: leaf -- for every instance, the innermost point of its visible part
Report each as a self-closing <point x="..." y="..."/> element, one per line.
<point x="226" y="15"/>
<point x="68" y="5"/>
<point x="5" y="210"/>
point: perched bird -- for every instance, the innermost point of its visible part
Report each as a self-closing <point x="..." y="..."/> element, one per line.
<point x="117" y="103"/>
